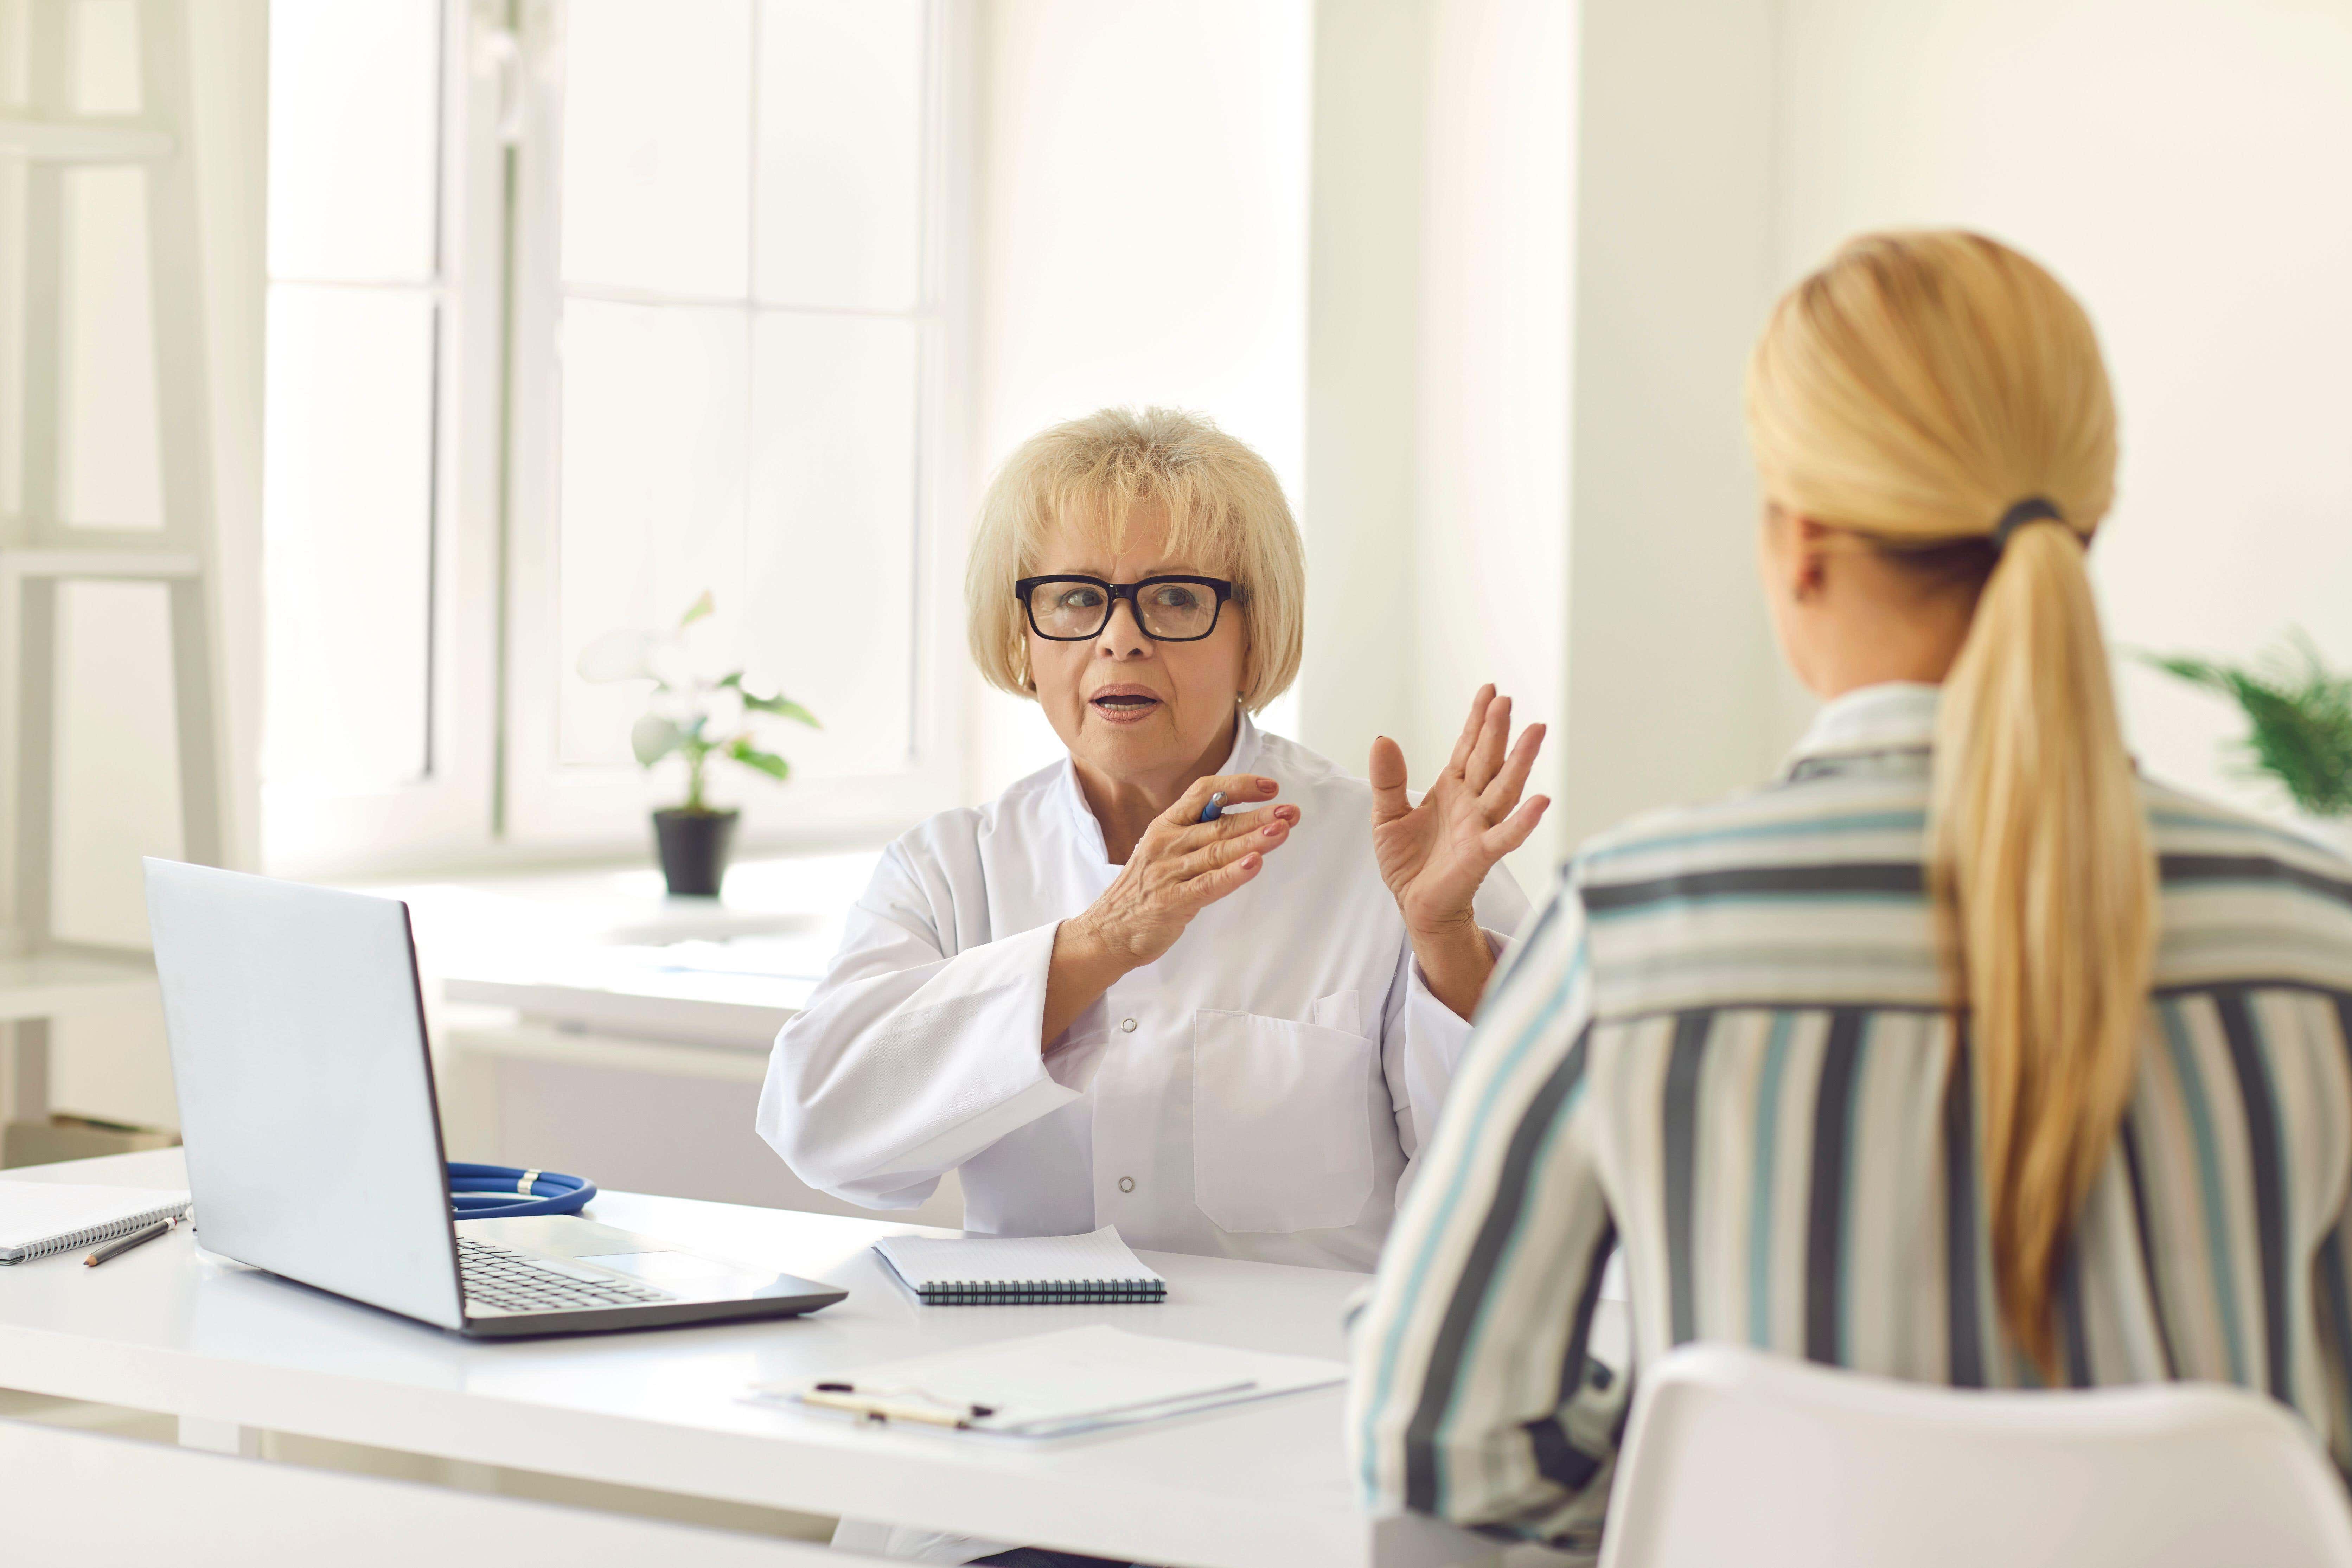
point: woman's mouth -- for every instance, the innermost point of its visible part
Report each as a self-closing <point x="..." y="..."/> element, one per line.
<point x="1123" y="704"/>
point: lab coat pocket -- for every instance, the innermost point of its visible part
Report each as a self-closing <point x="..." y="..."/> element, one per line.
<point x="1281" y="1122"/>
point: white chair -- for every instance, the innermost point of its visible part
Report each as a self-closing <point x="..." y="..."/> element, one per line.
<point x="68" y="1497"/>
<point x="1739" y="1457"/>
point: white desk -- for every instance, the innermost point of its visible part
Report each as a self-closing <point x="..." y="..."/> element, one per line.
<point x="167" y="1329"/>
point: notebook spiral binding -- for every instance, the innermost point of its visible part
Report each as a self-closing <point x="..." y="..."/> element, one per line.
<point x="98" y="1235"/>
<point x="1033" y="1292"/>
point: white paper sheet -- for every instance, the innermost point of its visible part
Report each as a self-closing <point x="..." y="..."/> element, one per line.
<point x="1077" y="1380"/>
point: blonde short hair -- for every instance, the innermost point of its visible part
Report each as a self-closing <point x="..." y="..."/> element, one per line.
<point x="1226" y="514"/>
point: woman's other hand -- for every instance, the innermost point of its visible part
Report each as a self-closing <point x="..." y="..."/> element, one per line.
<point x="1435" y="856"/>
<point x="1180" y="866"/>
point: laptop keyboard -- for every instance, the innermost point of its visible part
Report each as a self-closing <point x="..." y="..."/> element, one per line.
<point x="525" y="1282"/>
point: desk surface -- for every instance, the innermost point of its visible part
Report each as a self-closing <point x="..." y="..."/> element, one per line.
<point x="169" y="1328"/>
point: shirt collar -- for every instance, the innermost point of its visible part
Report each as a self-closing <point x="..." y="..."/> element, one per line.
<point x="1249" y="741"/>
<point x="1893" y="716"/>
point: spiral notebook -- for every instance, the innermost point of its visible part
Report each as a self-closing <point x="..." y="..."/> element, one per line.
<point x="1020" y="1271"/>
<point x="39" y="1218"/>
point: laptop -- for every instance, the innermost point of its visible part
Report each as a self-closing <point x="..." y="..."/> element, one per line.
<point x="313" y="1133"/>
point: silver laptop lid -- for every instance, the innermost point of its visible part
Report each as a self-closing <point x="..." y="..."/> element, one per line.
<point x="305" y="1092"/>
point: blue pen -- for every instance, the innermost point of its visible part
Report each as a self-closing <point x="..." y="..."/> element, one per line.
<point x="1215" y="808"/>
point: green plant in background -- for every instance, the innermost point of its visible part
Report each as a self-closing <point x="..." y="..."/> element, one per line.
<point x="693" y="714"/>
<point x="2299" y="718"/>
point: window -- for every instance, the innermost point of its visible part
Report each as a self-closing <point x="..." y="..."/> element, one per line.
<point x="568" y="326"/>
<point x="361" y="445"/>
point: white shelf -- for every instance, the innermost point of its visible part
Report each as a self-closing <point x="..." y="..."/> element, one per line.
<point x="143" y="563"/>
<point x="739" y="1026"/>
<point x="663" y="1058"/>
<point x="54" y="985"/>
<point x="603" y="952"/>
<point x="81" y="141"/>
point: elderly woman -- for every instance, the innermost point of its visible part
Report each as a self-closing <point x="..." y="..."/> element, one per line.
<point x="1225" y="1037"/>
<point x="1098" y="999"/>
<point x="1219" y="1035"/>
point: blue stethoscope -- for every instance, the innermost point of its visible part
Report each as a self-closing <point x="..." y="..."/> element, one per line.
<point x="509" y="1192"/>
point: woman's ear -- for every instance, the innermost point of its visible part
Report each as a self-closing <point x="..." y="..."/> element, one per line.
<point x="1809" y="555"/>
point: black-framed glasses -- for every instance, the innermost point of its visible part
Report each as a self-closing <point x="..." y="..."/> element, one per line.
<point x="1169" y="609"/>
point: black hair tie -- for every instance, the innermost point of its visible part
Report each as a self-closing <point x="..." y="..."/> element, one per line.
<point x="2033" y="509"/>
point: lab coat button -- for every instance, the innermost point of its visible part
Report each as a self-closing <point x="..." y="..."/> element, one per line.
<point x="1128" y="1025"/>
<point x="1127" y="1184"/>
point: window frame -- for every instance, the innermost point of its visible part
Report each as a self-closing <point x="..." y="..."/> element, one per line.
<point x="445" y="815"/>
<point x="544" y="806"/>
<point x="492" y="794"/>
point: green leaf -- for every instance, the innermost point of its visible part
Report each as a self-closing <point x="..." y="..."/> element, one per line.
<point x="653" y="737"/>
<point x="696" y="610"/>
<point x="768" y="762"/>
<point x="2299" y="718"/>
<point x="783" y="707"/>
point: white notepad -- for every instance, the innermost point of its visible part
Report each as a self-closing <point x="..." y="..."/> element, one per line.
<point x="1052" y="1385"/>
<point x="38" y="1218"/>
<point x="999" y="1270"/>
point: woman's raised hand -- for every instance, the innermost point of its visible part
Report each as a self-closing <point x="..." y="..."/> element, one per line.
<point x="1181" y="865"/>
<point x="1435" y="856"/>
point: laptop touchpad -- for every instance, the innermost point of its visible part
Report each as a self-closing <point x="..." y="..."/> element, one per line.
<point x="674" y="1268"/>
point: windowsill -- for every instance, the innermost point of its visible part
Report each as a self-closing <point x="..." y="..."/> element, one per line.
<point x="605" y="948"/>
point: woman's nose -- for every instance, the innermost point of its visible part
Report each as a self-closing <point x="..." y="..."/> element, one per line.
<point x="1122" y="636"/>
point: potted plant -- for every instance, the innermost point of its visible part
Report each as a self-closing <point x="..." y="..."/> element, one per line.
<point x="2299" y="725"/>
<point x="699" y="717"/>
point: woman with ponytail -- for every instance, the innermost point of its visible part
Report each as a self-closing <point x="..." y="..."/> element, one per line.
<point x="1961" y="1053"/>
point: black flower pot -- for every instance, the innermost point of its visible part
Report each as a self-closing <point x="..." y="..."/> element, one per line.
<point x="693" y="847"/>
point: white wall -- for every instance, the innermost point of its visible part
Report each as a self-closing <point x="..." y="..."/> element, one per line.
<point x="1586" y="259"/>
<point x="1141" y="223"/>
<point x="1363" y="339"/>
<point x="1490" y="565"/>
<point x="1671" y="675"/>
<point x="1438" y="374"/>
<point x="2186" y="167"/>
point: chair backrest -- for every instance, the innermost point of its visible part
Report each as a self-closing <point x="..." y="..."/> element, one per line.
<point x="1738" y="1457"/>
<point x="76" y="1497"/>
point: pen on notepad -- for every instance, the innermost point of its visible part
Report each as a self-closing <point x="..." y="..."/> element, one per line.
<point x="844" y="1397"/>
<point x="136" y="1238"/>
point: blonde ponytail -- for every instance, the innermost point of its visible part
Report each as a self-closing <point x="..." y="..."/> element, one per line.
<point x="1915" y="391"/>
<point x="2039" y="853"/>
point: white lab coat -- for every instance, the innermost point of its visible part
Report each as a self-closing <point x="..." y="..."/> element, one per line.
<point x="1258" y="1092"/>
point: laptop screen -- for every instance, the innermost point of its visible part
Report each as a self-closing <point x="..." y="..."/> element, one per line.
<point x="305" y="1088"/>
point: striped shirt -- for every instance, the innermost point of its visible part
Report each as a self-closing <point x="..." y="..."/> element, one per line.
<point x="1726" y="1048"/>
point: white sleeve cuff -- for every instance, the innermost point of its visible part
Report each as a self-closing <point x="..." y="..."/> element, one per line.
<point x="956" y="1144"/>
<point x="1424" y="1049"/>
